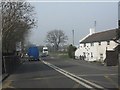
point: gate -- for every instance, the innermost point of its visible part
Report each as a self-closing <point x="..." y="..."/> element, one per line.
<point x="111" y="58"/>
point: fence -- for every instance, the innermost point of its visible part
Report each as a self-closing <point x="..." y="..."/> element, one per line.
<point x="112" y="57"/>
<point x="10" y="63"/>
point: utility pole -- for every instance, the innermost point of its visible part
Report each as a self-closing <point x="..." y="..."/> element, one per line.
<point x="73" y="35"/>
<point x="119" y="15"/>
<point x="95" y="26"/>
<point x="119" y="24"/>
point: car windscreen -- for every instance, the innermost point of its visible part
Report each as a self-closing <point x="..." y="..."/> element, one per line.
<point x="45" y="49"/>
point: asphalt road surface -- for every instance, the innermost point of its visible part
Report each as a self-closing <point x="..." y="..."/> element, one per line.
<point x="54" y="72"/>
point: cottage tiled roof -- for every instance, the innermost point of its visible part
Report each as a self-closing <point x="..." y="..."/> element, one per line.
<point x="100" y="36"/>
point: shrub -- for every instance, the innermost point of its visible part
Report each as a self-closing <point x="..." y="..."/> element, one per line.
<point x="71" y="51"/>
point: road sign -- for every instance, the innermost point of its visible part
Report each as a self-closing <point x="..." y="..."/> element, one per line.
<point x="18" y="46"/>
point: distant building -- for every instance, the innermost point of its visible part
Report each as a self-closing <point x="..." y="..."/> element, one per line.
<point x="95" y="46"/>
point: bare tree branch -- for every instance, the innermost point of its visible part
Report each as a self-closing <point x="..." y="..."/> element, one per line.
<point x="17" y="20"/>
<point x="56" y="37"/>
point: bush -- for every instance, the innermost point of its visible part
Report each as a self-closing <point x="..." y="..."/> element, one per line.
<point x="71" y="51"/>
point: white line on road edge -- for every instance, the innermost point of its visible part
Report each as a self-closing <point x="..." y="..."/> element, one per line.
<point x="56" y="68"/>
<point x="98" y="75"/>
<point x="73" y="77"/>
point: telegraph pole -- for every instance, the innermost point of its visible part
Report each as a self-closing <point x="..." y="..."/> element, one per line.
<point x="119" y="15"/>
<point x="95" y="26"/>
<point x="73" y="35"/>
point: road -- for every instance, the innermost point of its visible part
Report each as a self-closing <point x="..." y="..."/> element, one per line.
<point x="55" y="72"/>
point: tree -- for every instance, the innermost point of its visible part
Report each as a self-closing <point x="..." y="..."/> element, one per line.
<point x="71" y="51"/>
<point x="56" y="37"/>
<point x="17" y="20"/>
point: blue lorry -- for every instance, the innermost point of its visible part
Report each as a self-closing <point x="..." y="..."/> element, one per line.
<point x="33" y="53"/>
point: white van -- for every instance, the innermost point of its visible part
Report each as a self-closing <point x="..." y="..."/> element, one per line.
<point x="45" y="50"/>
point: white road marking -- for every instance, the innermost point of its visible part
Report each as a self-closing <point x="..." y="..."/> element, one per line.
<point x="55" y="68"/>
<point x="77" y="79"/>
<point x="98" y="75"/>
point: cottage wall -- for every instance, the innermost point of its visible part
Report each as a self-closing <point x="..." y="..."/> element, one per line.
<point x="95" y="51"/>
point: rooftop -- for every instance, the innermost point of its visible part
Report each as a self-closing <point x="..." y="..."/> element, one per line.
<point x="100" y="36"/>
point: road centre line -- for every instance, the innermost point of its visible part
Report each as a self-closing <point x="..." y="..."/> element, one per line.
<point x="74" y="77"/>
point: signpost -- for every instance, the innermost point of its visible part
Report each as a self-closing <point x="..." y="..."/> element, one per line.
<point x="18" y="46"/>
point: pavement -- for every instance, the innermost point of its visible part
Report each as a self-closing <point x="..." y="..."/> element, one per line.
<point x="4" y="76"/>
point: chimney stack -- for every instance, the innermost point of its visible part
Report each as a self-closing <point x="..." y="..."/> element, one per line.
<point x="92" y="30"/>
<point x="94" y="26"/>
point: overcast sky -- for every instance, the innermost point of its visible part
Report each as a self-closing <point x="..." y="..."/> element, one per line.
<point x="67" y="16"/>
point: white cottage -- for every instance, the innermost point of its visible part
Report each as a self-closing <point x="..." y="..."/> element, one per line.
<point x="95" y="45"/>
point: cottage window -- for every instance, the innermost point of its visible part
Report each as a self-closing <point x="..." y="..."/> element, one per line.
<point x="92" y="44"/>
<point x="101" y="56"/>
<point x="91" y="55"/>
<point x="84" y="44"/>
<point x="84" y="55"/>
<point x="108" y="42"/>
<point x="99" y="43"/>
